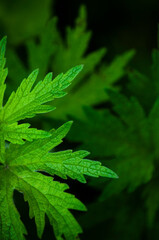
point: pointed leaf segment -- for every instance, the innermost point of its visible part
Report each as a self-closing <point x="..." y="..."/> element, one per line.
<point x="30" y="152"/>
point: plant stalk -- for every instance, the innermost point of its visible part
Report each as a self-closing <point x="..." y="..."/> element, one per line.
<point x="2" y="148"/>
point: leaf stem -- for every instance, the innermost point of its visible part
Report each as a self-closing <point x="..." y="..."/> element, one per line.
<point x="2" y="148"/>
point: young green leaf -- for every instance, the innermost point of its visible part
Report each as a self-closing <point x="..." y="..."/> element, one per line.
<point x="44" y="197"/>
<point x="22" y="163"/>
<point x="43" y="194"/>
<point x="27" y="101"/>
<point x="66" y="163"/>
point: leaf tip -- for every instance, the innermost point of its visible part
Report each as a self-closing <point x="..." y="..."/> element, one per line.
<point x="3" y="43"/>
<point x="69" y="123"/>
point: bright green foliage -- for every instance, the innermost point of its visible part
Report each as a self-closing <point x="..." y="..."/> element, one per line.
<point x="127" y="133"/>
<point x="54" y="52"/>
<point x="22" y="164"/>
<point x="34" y="156"/>
<point x="26" y="102"/>
<point x="44" y="195"/>
<point x="3" y="71"/>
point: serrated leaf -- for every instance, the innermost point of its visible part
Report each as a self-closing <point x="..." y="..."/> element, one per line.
<point x="44" y="195"/>
<point x="63" y="164"/>
<point x="27" y="101"/>
<point x="18" y="133"/>
<point x="21" y="166"/>
<point x="3" y="71"/>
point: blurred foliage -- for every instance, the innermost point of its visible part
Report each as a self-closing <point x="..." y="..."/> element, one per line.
<point x="49" y="51"/>
<point x="127" y="132"/>
<point x="20" y="20"/>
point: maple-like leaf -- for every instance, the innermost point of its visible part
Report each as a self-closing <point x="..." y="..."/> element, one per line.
<point x="30" y="153"/>
<point x="28" y="101"/>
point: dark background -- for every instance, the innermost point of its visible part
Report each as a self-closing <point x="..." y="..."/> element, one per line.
<point x="117" y="25"/>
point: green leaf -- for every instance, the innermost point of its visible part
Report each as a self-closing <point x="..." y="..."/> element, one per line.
<point x="124" y="134"/>
<point x="44" y="195"/>
<point x="130" y="111"/>
<point x="65" y="163"/>
<point x="16" y="133"/>
<point x="22" y="163"/>
<point x="11" y="227"/>
<point x="27" y="101"/>
<point x="3" y="71"/>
